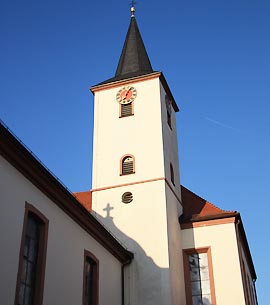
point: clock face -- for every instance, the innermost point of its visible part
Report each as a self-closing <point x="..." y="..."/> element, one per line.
<point x="126" y="95"/>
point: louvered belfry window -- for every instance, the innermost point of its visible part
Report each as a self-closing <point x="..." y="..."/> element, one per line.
<point x="126" y="109"/>
<point x="127" y="165"/>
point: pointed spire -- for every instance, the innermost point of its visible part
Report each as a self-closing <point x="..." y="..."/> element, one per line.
<point x="134" y="58"/>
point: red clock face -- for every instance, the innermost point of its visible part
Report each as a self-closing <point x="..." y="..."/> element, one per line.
<point x="126" y="95"/>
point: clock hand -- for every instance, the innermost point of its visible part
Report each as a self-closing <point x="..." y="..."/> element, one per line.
<point x="127" y="93"/>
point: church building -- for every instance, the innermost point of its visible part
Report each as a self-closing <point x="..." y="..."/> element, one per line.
<point x="138" y="237"/>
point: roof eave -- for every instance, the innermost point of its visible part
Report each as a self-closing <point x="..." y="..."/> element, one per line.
<point x="116" y="83"/>
<point x="25" y="162"/>
<point x="208" y="217"/>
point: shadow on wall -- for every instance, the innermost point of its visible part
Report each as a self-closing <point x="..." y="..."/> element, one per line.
<point x="144" y="279"/>
<point x="142" y="269"/>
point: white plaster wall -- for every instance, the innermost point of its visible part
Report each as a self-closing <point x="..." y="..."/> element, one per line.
<point x="174" y="209"/>
<point x="225" y="258"/>
<point x="142" y="226"/>
<point x="140" y="135"/>
<point x="149" y="224"/>
<point x="65" y="249"/>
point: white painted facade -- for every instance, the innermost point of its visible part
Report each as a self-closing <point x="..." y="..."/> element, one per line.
<point x="65" y="249"/>
<point x="149" y="224"/>
<point x="227" y="276"/>
<point x="139" y="134"/>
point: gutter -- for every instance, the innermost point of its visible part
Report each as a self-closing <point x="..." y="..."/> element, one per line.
<point x="128" y="262"/>
<point x="254" y="287"/>
<point x="241" y="239"/>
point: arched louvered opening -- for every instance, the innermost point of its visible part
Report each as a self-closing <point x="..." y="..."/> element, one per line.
<point x="172" y="173"/>
<point x="126" y="109"/>
<point x="127" y="165"/>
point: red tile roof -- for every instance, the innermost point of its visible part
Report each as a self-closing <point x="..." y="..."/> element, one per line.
<point x="85" y="198"/>
<point x="196" y="208"/>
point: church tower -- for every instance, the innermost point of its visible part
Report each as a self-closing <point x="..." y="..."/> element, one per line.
<point x="136" y="182"/>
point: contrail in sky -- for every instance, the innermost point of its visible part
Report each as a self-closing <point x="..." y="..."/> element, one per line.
<point x="221" y="124"/>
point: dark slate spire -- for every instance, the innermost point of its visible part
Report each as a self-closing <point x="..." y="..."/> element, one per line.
<point x="134" y="58"/>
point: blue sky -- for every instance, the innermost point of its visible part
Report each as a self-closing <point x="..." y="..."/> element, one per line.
<point x="215" y="57"/>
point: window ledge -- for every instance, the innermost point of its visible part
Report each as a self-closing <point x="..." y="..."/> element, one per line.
<point x="127" y="174"/>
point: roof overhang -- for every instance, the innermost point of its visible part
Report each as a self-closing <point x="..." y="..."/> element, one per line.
<point x="25" y="162"/>
<point x="136" y="79"/>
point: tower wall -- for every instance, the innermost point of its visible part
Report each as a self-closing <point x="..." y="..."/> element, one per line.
<point x="139" y="135"/>
<point x="142" y="227"/>
<point x="148" y="225"/>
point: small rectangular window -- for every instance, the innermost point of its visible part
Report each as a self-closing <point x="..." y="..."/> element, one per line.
<point x="90" y="281"/>
<point x="30" y="279"/>
<point x="169" y="110"/>
<point x="126" y="109"/>
<point x="169" y="119"/>
<point x="172" y="174"/>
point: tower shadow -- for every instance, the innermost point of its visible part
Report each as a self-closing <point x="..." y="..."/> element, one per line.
<point x="144" y="279"/>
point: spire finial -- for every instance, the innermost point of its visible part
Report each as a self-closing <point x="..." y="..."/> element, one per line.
<point x="132" y="9"/>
